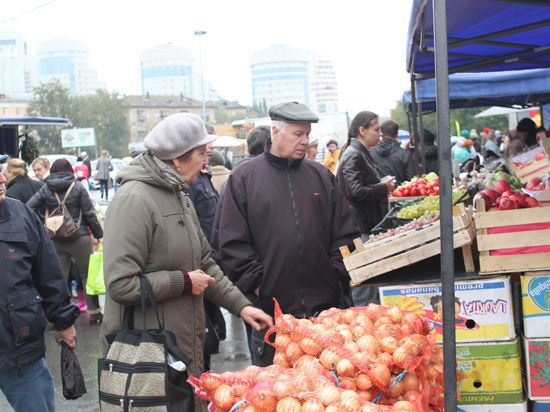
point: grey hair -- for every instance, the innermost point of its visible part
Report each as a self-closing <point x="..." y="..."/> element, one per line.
<point x="279" y="124"/>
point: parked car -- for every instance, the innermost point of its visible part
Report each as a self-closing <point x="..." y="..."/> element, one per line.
<point x="52" y="158"/>
<point x="117" y="165"/>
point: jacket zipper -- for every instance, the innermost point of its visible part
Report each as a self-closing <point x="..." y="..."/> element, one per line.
<point x="300" y="237"/>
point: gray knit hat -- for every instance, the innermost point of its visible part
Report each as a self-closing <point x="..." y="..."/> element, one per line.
<point x="176" y="135"/>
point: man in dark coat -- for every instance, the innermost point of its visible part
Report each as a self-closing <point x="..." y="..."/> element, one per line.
<point x="33" y="290"/>
<point x="391" y="159"/>
<point x="282" y="223"/>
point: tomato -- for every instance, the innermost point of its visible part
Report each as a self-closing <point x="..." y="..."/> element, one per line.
<point x="436" y="190"/>
<point x="415" y="191"/>
<point x="397" y="193"/>
<point x="406" y="191"/>
<point x="423" y="192"/>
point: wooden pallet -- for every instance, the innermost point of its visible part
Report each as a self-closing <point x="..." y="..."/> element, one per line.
<point x="373" y="259"/>
<point x="511" y="263"/>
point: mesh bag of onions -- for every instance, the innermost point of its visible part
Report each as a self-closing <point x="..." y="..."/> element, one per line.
<point x="371" y="358"/>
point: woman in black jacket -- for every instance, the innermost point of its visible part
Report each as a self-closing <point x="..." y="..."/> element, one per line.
<point x="357" y="175"/>
<point x="20" y="185"/>
<point x="80" y="207"/>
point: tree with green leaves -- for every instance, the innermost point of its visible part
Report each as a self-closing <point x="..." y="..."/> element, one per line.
<point x="222" y="115"/>
<point x="50" y="100"/>
<point x="105" y="112"/>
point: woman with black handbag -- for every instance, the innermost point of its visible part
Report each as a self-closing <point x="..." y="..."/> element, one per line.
<point x="60" y="181"/>
<point x="152" y="231"/>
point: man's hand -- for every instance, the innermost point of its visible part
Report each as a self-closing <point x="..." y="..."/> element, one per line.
<point x="68" y="336"/>
<point x="256" y="318"/>
<point x="200" y="281"/>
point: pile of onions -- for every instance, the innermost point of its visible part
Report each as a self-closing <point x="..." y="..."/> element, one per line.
<point x="373" y="358"/>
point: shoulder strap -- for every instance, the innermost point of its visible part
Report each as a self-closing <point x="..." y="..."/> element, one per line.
<point x="66" y="194"/>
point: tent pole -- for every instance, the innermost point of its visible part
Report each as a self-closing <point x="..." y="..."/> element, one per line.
<point x="445" y="197"/>
<point x="421" y="134"/>
<point x="415" y="127"/>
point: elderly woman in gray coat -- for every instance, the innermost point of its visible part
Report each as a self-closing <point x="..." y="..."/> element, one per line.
<point x="152" y="229"/>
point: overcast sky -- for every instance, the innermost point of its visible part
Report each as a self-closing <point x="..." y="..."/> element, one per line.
<point x="365" y="39"/>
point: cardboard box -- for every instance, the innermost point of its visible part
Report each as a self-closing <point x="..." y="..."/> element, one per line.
<point x="540" y="406"/>
<point x="537" y="368"/>
<point x="483" y="307"/>
<point x="535" y="298"/>
<point x="492" y="373"/>
<point x="512" y="407"/>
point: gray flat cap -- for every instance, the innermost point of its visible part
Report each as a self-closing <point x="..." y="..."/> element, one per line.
<point x="293" y="112"/>
<point x="177" y="134"/>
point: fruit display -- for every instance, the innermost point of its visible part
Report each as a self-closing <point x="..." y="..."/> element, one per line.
<point x="372" y="358"/>
<point x="536" y="184"/>
<point x="495" y="179"/>
<point x="504" y="198"/>
<point x="538" y="156"/>
<point x="416" y="224"/>
<point x="428" y="205"/>
<point x="427" y="185"/>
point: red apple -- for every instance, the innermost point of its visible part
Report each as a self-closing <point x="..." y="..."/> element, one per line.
<point x="534" y="182"/>
<point x="507" y="203"/>
<point x="539" y="156"/>
<point x="488" y="201"/>
<point x="532" y="202"/>
<point x="492" y="194"/>
<point x="519" y="199"/>
<point x="508" y="193"/>
<point x="501" y="186"/>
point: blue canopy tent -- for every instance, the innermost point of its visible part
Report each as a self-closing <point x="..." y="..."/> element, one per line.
<point x="9" y="133"/>
<point x="447" y="36"/>
<point x="525" y="88"/>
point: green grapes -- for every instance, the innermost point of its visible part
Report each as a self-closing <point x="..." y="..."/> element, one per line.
<point x="428" y="205"/>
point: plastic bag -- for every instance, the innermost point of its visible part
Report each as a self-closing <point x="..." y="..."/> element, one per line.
<point x="95" y="284"/>
<point x="71" y="374"/>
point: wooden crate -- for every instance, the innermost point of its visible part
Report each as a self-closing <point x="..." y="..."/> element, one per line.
<point x="373" y="259"/>
<point x="536" y="169"/>
<point x="511" y="263"/>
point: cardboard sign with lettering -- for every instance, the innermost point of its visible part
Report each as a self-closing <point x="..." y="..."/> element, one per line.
<point x="483" y="307"/>
<point x="535" y="299"/>
<point x="491" y="373"/>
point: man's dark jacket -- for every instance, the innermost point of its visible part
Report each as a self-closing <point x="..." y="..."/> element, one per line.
<point x="432" y="159"/>
<point x="282" y="224"/>
<point x="33" y="286"/>
<point x="392" y="160"/>
<point x="88" y="164"/>
<point x="22" y="187"/>
<point x="360" y="182"/>
<point x="204" y="198"/>
<point x="77" y="201"/>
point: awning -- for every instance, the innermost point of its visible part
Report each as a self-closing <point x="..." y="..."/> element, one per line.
<point x="483" y="35"/>
<point x="523" y="88"/>
<point x="36" y="121"/>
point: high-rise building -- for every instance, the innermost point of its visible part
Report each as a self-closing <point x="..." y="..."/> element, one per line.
<point x="16" y="67"/>
<point x="66" y="60"/>
<point x="323" y="86"/>
<point x="281" y="73"/>
<point x="170" y="70"/>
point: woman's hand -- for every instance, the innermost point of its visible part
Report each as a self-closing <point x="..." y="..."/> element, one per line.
<point x="200" y="281"/>
<point x="390" y="183"/>
<point x="256" y="318"/>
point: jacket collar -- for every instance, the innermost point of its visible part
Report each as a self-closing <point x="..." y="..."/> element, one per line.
<point x="280" y="162"/>
<point x="359" y="146"/>
<point x="15" y="179"/>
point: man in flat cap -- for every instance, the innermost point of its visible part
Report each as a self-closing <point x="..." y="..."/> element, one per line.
<point x="283" y="220"/>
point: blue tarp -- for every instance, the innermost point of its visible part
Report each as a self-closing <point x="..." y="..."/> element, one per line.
<point x="483" y="35"/>
<point x="521" y="87"/>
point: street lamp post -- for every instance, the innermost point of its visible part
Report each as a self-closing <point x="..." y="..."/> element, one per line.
<point x="200" y="33"/>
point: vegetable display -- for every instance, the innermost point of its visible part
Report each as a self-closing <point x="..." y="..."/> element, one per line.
<point x="372" y="358"/>
<point x="427" y="206"/>
<point x="427" y="185"/>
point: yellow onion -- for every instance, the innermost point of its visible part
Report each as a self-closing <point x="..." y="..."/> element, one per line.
<point x="289" y="405"/>
<point x="223" y="397"/>
<point x="362" y="381"/>
<point x="310" y="347"/>
<point x="345" y="368"/>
